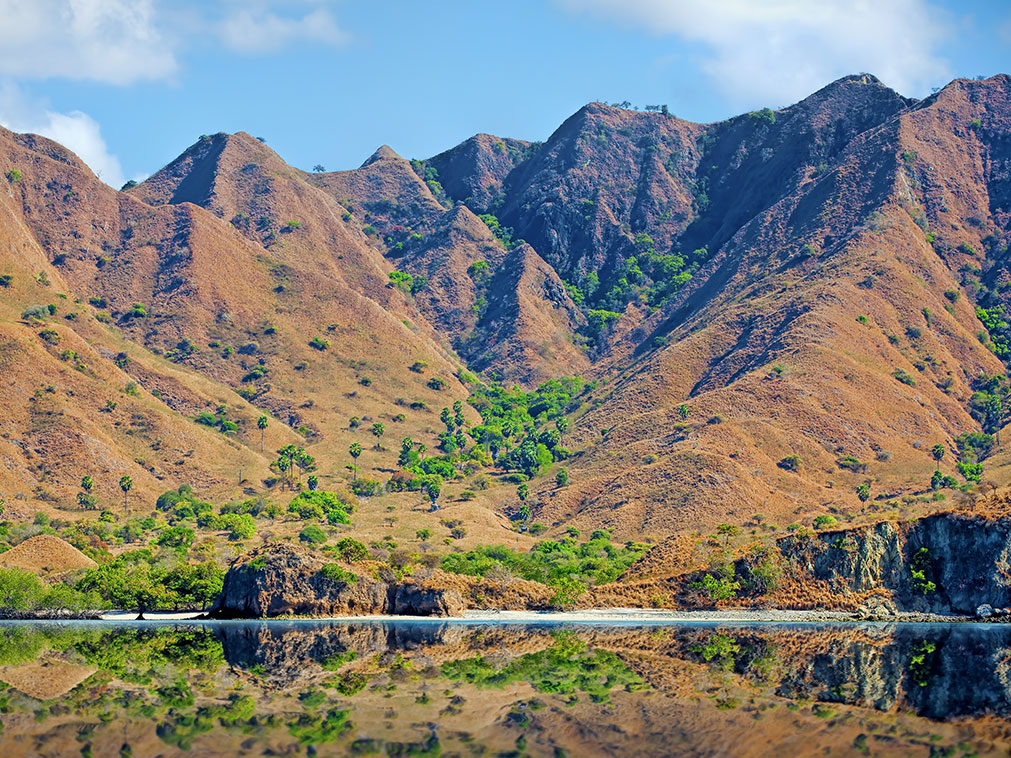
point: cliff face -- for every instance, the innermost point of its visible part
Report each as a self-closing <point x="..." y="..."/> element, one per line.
<point x="286" y="580"/>
<point x="966" y="558"/>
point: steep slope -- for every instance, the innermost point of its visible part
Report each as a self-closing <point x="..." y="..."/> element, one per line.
<point x="777" y="312"/>
<point x="473" y="171"/>
<point x="827" y="327"/>
<point x="96" y="386"/>
<point x="459" y="267"/>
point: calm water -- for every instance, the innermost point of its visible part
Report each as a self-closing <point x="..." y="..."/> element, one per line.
<point x="457" y="689"/>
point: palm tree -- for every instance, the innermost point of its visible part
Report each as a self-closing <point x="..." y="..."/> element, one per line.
<point x="938" y="452"/>
<point x="355" y="451"/>
<point x="378" y="430"/>
<point x="125" y="484"/>
<point x="286" y="461"/>
<point x="261" y="424"/>
<point x="282" y="466"/>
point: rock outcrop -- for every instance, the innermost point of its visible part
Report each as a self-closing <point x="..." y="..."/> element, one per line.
<point x="287" y="580"/>
<point x="945" y="563"/>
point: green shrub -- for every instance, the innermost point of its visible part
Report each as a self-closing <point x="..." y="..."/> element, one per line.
<point x="240" y="526"/>
<point x="790" y="463"/>
<point x="50" y="336"/>
<point x="320" y="504"/>
<point x="313" y="535"/>
<point x="367" y="487"/>
<point x="335" y="573"/>
<point x="20" y="590"/>
<point x="318" y="343"/>
<point x="175" y="536"/>
<point x="717" y="588"/>
<point x="920" y="566"/>
<point x="824" y="521"/>
<point x="903" y="376"/>
<point x="971" y="472"/>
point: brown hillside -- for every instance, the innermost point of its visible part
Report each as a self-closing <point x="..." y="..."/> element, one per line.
<point x="46" y="554"/>
<point x="824" y="264"/>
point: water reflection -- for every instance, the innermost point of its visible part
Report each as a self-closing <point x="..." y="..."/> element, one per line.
<point x="449" y="689"/>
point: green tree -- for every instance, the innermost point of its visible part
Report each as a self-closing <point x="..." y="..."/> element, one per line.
<point x="305" y="462"/>
<point x="313" y="482"/>
<point x="683" y="410"/>
<point x="125" y="484"/>
<point x="378" y="430"/>
<point x="727" y="531"/>
<point x="87" y="483"/>
<point x="406" y="448"/>
<point x="864" y="492"/>
<point x="261" y="424"/>
<point x="562" y="477"/>
<point x="523" y="491"/>
<point x="433" y="488"/>
<point x="351" y="550"/>
<point x="936" y="480"/>
<point x="562" y="425"/>
<point x="355" y="450"/>
<point x="423" y="534"/>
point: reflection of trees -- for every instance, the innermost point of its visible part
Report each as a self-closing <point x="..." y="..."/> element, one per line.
<point x="567" y="667"/>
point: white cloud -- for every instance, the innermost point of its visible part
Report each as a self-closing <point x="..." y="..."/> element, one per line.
<point x="258" y="29"/>
<point x="114" y="41"/>
<point x="126" y="41"/>
<point x="76" y="131"/>
<point x="777" y="51"/>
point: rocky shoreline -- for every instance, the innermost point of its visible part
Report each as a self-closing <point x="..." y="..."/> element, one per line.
<point x="585" y="616"/>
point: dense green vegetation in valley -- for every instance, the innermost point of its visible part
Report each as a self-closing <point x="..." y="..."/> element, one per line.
<point x="567" y="565"/>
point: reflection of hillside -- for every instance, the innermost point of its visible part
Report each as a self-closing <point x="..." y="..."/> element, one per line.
<point x="46" y="678"/>
<point x="592" y="691"/>
<point x="940" y="672"/>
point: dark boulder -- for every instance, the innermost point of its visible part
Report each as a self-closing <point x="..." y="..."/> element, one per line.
<point x="282" y="579"/>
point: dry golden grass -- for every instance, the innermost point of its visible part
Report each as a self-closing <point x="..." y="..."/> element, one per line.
<point x="45" y="554"/>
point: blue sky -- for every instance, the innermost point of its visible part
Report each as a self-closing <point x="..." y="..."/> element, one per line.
<point x="129" y="84"/>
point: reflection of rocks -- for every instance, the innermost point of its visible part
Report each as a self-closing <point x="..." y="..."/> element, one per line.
<point x="854" y="673"/>
<point x="282" y="579"/>
<point x="284" y="653"/>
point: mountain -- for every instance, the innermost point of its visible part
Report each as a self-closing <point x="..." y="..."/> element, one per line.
<point x="778" y="315"/>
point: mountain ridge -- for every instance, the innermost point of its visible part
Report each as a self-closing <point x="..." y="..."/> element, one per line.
<point x="804" y="281"/>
